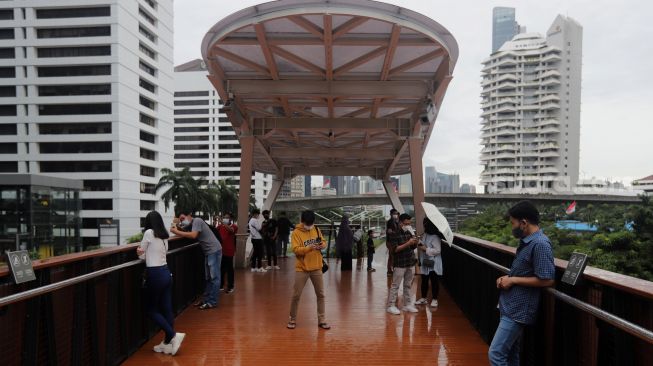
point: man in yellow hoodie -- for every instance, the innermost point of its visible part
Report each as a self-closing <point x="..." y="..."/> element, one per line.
<point x="307" y="244"/>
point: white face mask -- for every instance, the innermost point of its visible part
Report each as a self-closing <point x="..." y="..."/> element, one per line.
<point x="395" y="217"/>
<point x="308" y="227"/>
<point x="186" y="222"/>
<point x="408" y="228"/>
<point x="226" y="221"/>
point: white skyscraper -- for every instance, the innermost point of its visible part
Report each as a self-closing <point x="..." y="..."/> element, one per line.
<point x="205" y="142"/>
<point x="531" y="111"/>
<point x="86" y="93"/>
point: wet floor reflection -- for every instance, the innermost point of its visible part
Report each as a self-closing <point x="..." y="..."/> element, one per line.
<point x="248" y="327"/>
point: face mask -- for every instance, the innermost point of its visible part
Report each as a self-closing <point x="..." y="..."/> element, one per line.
<point x="185" y="222"/>
<point x="308" y="227"/>
<point x="395" y="217"/>
<point x="226" y="221"/>
<point x="518" y="232"/>
<point x="407" y="228"/>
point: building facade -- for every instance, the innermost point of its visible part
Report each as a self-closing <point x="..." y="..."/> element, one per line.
<point x="204" y="140"/>
<point x="504" y="26"/>
<point x="436" y="182"/>
<point x="86" y="94"/>
<point x="531" y="111"/>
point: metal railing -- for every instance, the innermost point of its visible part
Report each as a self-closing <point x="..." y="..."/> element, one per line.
<point x="600" y="321"/>
<point x="90" y="309"/>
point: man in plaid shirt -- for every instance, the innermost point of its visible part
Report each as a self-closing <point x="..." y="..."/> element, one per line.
<point x="402" y="244"/>
<point x="531" y="270"/>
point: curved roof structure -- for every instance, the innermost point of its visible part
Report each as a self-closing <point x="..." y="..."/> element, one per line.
<point x="330" y="87"/>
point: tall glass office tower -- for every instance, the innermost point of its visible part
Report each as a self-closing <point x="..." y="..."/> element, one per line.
<point x="504" y="26"/>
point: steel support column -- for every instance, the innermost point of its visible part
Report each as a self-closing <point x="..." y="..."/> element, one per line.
<point x="246" y="160"/>
<point x="394" y="197"/>
<point x="417" y="178"/>
<point x="277" y="183"/>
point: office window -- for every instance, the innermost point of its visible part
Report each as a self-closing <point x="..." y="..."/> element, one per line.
<point x="191" y="102"/>
<point x="6" y="14"/>
<point x="192" y="120"/>
<point x="98" y="185"/>
<point x="201" y="93"/>
<point x="148" y="171"/>
<point x="146" y="85"/>
<point x="7" y="91"/>
<point x="74" y="109"/>
<point x="192" y="138"/>
<point x="7" y="53"/>
<point x="96" y="204"/>
<point x="191" y="156"/>
<point x="7" y="110"/>
<point x="146" y="102"/>
<point x="147" y="51"/>
<point x="84" y="89"/>
<point x="148" y="154"/>
<point x="150" y="19"/>
<point x="142" y="30"/>
<point x="191" y="129"/>
<point x="76" y="32"/>
<point x="192" y="111"/>
<point x="89" y="12"/>
<point x="75" y="166"/>
<point x="148" y="120"/>
<point x="79" y="51"/>
<point x="148" y="205"/>
<point x="147" y="137"/>
<point x="148" y="188"/>
<point x="147" y="68"/>
<point x="8" y="148"/>
<point x="191" y="147"/>
<point x="7" y="72"/>
<point x="6" y="33"/>
<point x="8" y="167"/>
<point x="83" y="128"/>
<point x="8" y="129"/>
<point x="81" y="70"/>
<point x="192" y="165"/>
<point x="95" y="147"/>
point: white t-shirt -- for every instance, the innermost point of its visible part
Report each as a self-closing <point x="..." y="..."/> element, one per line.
<point x="255" y="228"/>
<point x="155" y="249"/>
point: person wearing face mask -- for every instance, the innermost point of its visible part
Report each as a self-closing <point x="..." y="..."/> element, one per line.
<point x="531" y="270"/>
<point x="391" y="228"/>
<point x="370" y="250"/>
<point x="403" y="244"/>
<point x="307" y="244"/>
<point x="227" y="230"/>
<point x="199" y="230"/>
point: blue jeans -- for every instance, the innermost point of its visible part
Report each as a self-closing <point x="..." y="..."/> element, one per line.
<point x="504" y="349"/>
<point x="212" y="275"/>
<point x="158" y="289"/>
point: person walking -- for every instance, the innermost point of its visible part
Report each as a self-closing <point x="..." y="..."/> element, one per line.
<point x="257" y="241"/>
<point x="158" y="282"/>
<point x="269" y="231"/>
<point x="197" y="229"/>
<point x="519" y="299"/>
<point x="370" y="250"/>
<point x="344" y="244"/>
<point x="429" y="249"/>
<point x="227" y="230"/>
<point x="402" y="244"/>
<point x="307" y="244"/>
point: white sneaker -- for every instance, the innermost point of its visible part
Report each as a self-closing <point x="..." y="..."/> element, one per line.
<point x="254" y="269"/>
<point x="434" y="303"/>
<point x="277" y="267"/>
<point x="393" y="310"/>
<point x="160" y="348"/>
<point x="262" y="270"/>
<point x="268" y="268"/>
<point x="421" y="301"/>
<point x="175" y="343"/>
<point x="410" y="309"/>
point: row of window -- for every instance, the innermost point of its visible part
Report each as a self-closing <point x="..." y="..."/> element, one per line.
<point x="74" y="109"/>
<point x="84" y="128"/>
<point x="191" y="102"/>
<point x="75" y="147"/>
<point x="8" y="129"/>
<point x="7" y="91"/>
<point x="66" y="90"/>
<point x="201" y="93"/>
<point x="77" y="51"/>
<point x="76" y="32"/>
<point x="75" y="166"/>
<point x="58" y="13"/>
<point x="8" y="148"/>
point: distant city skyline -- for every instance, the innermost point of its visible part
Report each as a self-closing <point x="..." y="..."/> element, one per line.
<point x="612" y="91"/>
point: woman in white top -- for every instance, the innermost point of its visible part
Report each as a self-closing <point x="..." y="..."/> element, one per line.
<point x="430" y="268"/>
<point x="158" y="282"/>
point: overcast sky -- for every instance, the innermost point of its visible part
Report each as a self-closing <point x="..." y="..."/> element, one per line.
<point x="617" y="92"/>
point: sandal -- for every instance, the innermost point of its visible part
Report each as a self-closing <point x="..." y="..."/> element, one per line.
<point x="324" y="325"/>
<point x="291" y="324"/>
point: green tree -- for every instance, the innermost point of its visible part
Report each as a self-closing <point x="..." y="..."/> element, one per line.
<point x="182" y="188"/>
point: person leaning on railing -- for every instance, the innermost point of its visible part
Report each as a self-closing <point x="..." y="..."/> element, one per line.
<point x="158" y="282"/>
<point x="531" y="270"/>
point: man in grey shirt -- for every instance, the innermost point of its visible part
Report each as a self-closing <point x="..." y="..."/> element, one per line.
<point x="197" y="229"/>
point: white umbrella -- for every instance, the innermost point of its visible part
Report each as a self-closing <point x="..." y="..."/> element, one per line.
<point x="438" y="219"/>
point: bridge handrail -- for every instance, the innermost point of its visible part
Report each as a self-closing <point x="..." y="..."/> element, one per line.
<point x="634" y="329"/>
<point x="25" y="295"/>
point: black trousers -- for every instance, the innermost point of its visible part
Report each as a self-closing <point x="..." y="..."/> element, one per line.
<point x="345" y="260"/>
<point x="435" y="288"/>
<point x="257" y="255"/>
<point x="227" y="269"/>
<point x="271" y="251"/>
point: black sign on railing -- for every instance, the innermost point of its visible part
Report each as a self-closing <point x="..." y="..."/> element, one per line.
<point x="575" y="268"/>
<point x="21" y="266"/>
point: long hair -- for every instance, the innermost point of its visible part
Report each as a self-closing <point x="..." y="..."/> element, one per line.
<point x="154" y="221"/>
<point x="431" y="229"/>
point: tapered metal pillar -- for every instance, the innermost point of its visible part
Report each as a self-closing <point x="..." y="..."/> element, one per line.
<point x="417" y="178"/>
<point x="246" y="160"/>
<point x="277" y="183"/>
<point x="394" y="197"/>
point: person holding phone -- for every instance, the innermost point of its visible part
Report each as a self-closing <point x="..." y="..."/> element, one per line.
<point x="307" y="244"/>
<point x="430" y="268"/>
<point x="402" y="244"/>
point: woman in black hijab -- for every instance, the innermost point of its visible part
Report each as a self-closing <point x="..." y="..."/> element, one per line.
<point x="344" y="243"/>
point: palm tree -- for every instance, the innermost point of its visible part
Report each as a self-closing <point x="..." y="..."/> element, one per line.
<point x="183" y="189"/>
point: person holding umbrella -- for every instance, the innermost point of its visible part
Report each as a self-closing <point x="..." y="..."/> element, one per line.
<point x="429" y="250"/>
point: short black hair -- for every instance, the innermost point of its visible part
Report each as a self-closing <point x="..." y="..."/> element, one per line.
<point x="308" y="217"/>
<point x="393" y="211"/>
<point x="266" y="212"/>
<point x="370" y="232"/>
<point x="186" y="211"/>
<point x="525" y="210"/>
<point x="404" y="216"/>
<point x="228" y="213"/>
<point x="256" y="211"/>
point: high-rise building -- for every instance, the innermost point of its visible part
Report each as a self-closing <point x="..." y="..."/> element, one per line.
<point x="504" y="26"/>
<point x="204" y="140"/>
<point x="405" y="183"/>
<point x="307" y="186"/>
<point x="86" y="94"/>
<point x="437" y="182"/>
<point x="531" y="111"/>
<point x="335" y="182"/>
<point x="430" y="178"/>
<point x="467" y="188"/>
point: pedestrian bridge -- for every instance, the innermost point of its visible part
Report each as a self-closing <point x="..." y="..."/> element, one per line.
<point x="86" y="308"/>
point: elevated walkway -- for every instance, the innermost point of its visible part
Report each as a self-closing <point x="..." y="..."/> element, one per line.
<point x="249" y="326"/>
